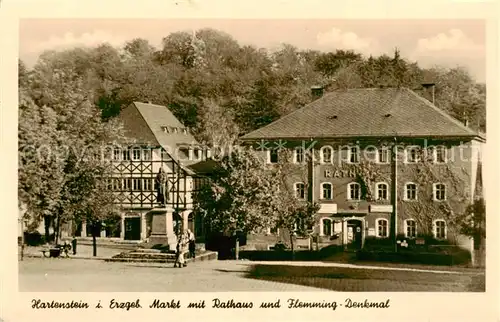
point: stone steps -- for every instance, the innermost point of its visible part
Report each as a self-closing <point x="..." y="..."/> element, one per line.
<point x="146" y="256"/>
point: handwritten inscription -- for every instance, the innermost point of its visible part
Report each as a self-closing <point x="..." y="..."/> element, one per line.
<point x="230" y="304"/>
<point x="172" y="304"/>
<point x="291" y="303"/>
<point x="39" y="304"/>
<point x="366" y="304"/>
<point x="113" y="304"/>
<point x="298" y="304"/>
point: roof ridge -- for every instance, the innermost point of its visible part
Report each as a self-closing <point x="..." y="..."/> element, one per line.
<point x="443" y="113"/>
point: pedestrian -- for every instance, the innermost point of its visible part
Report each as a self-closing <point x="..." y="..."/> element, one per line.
<point x="73" y="245"/>
<point x="192" y="244"/>
<point x="178" y="254"/>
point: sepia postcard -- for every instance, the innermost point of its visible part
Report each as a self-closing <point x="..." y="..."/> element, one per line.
<point x="278" y="160"/>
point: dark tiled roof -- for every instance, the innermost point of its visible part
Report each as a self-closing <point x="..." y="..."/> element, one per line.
<point x="371" y="112"/>
<point x="144" y="123"/>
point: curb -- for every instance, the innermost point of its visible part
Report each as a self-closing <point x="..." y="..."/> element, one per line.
<point x="62" y="257"/>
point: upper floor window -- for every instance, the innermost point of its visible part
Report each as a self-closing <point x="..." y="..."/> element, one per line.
<point x="354" y="154"/>
<point x="354" y="191"/>
<point x="197" y="154"/>
<point x="382" y="191"/>
<point x="382" y="228"/>
<point x="440" y="229"/>
<point x="439" y="191"/>
<point x="327" y="191"/>
<point x="147" y="154"/>
<point x="383" y="155"/>
<point x="299" y="155"/>
<point x="412" y="154"/>
<point x="272" y="156"/>
<point x="411" y="228"/>
<point x="147" y="185"/>
<point x="411" y="191"/>
<point x="136" y="184"/>
<point x="136" y="154"/>
<point x="440" y="154"/>
<point x="116" y="154"/>
<point x="126" y="155"/>
<point x="300" y="190"/>
<point x="326" y="154"/>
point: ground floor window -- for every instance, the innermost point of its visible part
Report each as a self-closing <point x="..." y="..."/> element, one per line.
<point x="382" y="228"/>
<point x="411" y="228"/>
<point x="327" y="226"/>
<point x="440" y="229"/>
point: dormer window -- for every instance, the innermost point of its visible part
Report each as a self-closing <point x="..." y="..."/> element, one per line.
<point x="184" y="131"/>
<point x="165" y="129"/>
<point x="175" y="130"/>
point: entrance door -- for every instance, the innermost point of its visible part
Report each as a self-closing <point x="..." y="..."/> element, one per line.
<point x="133" y="228"/>
<point x="354" y="233"/>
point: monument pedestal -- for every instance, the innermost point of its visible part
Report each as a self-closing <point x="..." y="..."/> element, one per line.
<point x="162" y="229"/>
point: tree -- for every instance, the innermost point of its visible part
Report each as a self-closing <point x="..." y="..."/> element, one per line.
<point x="289" y="212"/>
<point x="472" y="222"/>
<point x="65" y="178"/>
<point x="237" y="198"/>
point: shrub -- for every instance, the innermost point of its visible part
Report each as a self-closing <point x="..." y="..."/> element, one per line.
<point x="33" y="238"/>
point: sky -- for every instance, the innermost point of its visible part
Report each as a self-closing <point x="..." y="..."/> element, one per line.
<point x="444" y="42"/>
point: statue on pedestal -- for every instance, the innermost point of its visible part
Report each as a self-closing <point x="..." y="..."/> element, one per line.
<point x="160" y="183"/>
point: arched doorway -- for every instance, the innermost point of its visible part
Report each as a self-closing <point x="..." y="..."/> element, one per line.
<point x="354" y="233"/>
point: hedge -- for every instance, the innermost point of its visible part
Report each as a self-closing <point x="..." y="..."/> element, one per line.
<point x="449" y="257"/>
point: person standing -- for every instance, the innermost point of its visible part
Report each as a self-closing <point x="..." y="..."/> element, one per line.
<point x="192" y="244"/>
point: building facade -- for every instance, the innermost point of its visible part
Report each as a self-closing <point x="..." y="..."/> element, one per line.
<point x="381" y="163"/>
<point x="152" y="180"/>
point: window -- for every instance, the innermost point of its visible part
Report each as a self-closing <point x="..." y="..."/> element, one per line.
<point x="197" y="154"/>
<point x="354" y="191"/>
<point x="411" y="228"/>
<point x="126" y="155"/>
<point x="300" y="190"/>
<point x="382" y="228"/>
<point x="146" y="184"/>
<point x="136" y="184"/>
<point x="327" y="191"/>
<point x="327" y="227"/>
<point x="116" y="154"/>
<point x="326" y="154"/>
<point x="412" y="155"/>
<point x="126" y="184"/>
<point x="299" y="155"/>
<point x="439" y="191"/>
<point x="117" y="184"/>
<point x="382" y="191"/>
<point x="273" y="156"/>
<point x="440" y="154"/>
<point x="109" y="184"/>
<point x="147" y="155"/>
<point x="136" y="154"/>
<point x="411" y="191"/>
<point x="354" y="155"/>
<point x="275" y="230"/>
<point x="440" y="229"/>
<point x="383" y="155"/>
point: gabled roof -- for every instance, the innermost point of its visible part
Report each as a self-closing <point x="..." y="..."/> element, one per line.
<point x="367" y="112"/>
<point x="145" y="124"/>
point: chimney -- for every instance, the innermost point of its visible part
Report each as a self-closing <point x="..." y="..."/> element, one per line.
<point x="466" y="122"/>
<point x="431" y="85"/>
<point x="316" y="92"/>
